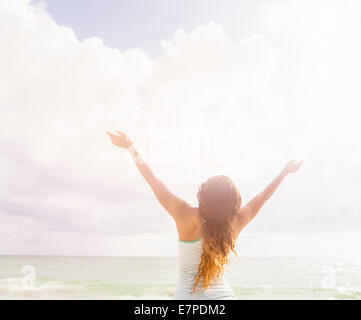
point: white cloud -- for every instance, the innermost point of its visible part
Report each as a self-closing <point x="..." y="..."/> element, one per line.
<point x="289" y="91"/>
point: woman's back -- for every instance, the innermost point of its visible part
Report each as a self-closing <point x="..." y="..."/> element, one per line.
<point x="189" y="258"/>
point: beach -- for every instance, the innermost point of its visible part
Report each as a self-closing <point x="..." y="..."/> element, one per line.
<point x="50" y="277"/>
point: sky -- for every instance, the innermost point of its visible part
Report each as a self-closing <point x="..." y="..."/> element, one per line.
<point x="142" y="24"/>
<point x="203" y="88"/>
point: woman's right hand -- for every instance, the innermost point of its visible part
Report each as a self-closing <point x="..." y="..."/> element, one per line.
<point x="292" y="166"/>
<point x="120" y="139"/>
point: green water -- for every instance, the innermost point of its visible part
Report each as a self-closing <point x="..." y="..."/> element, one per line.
<point x="156" y="278"/>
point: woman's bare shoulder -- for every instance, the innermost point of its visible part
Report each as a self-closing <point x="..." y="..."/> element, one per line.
<point x="191" y="214"/>
<point x="190" y="225"/>
<point x="237" y="223"/>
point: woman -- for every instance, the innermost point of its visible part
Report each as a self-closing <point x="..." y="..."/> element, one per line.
<point x="207" y="234"/>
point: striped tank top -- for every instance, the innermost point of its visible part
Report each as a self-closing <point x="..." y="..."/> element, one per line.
<point x="189" y="258"/>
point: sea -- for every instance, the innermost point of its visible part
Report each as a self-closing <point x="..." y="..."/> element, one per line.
<point x="56" y="277"/>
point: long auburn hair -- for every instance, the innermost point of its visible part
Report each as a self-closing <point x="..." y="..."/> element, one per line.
<point x="219" y="201"/>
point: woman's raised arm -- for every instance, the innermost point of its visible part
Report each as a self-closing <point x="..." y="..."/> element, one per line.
<point x="250" y="210"/>
<point x="170" y="202"/>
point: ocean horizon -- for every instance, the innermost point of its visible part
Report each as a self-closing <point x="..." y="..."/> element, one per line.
<point x="113" y="277"/>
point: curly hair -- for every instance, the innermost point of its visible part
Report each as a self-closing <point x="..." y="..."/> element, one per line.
<point x="219" y="201"/>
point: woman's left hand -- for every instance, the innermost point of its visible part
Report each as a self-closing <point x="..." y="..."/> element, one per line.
<point x="292" y="166"/>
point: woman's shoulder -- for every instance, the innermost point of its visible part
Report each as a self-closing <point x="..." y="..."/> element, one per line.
<point x="191" y="224"/>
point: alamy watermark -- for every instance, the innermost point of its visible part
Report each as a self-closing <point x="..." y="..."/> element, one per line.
<point x="29" y="279"/>
<point x="188" y="147"/>
<point x="328" y="280"/>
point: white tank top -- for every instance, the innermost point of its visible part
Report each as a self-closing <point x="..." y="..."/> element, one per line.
<point x="189" y="258"/>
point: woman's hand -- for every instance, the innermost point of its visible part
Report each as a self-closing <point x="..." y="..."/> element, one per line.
<point x="120" y="139"/>
<point x="292" y="166"/>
